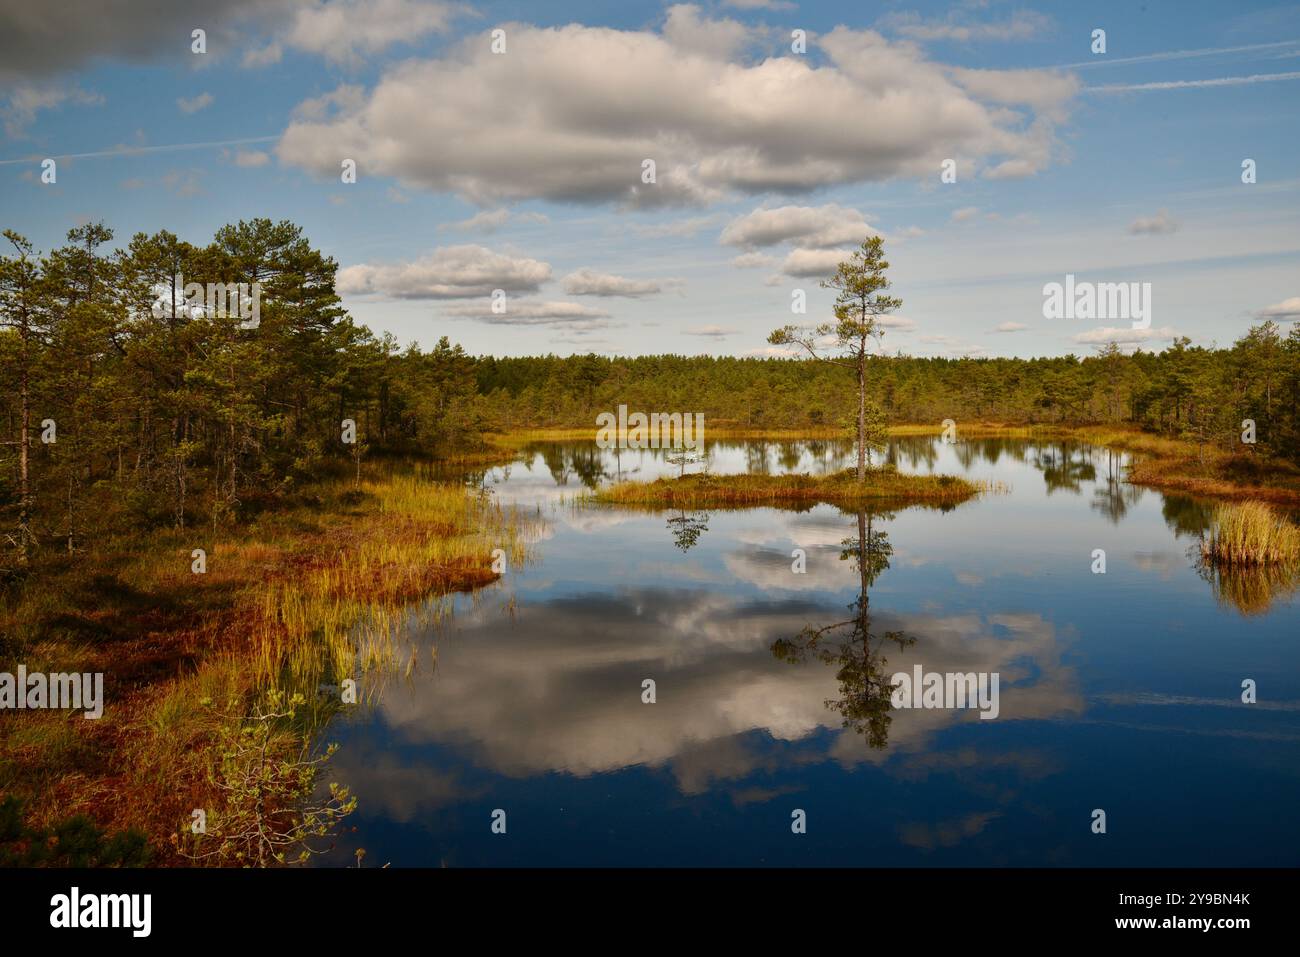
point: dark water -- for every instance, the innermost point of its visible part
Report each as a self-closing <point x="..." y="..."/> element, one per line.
<point x="1118" y="691"/>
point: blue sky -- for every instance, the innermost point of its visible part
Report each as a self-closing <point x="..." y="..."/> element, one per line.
<point x="1116" y="167"/>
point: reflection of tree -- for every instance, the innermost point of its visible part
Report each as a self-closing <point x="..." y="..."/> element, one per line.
<point x="563" y="460"/>
<point x="1113" y="496"/>
<point x="917" y="450"/>
<point x="756" y="458"/>
<point x="1064" y="466"/>
<point x="865" y="688"/>
<point x="1185" y="515"/>
<point x="687" y="528"/>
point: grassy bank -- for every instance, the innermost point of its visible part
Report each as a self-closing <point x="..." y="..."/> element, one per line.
<point x="292" y="602"/>
<point x="886" y="488"/>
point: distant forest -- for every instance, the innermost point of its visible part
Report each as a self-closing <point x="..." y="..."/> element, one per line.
<point x="116" y="413"/>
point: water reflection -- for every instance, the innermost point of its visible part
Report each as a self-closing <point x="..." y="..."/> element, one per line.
<point x="865" y="688"/>
<point x="1117" y="690"/>
<point x="687" y="527"/>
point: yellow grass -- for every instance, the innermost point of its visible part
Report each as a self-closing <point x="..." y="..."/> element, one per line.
<point x="738" y="491"/>
<point x="1250" y="533"/>
<point x="297" y="600"/>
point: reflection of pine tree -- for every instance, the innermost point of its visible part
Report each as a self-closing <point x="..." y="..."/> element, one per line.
<point x="687" y="529"/>
<point x="865" y="687"/>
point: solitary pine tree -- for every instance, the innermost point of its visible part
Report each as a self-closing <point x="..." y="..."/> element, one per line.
<point x="861" y="284"/>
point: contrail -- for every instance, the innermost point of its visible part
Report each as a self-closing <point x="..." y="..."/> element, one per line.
<point x="1176" y="55"/>
<point x="133" y="150"/>
<point x="1193" y="84"/>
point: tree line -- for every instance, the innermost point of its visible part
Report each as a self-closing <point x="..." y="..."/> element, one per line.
<point x="1185" y="390"/>
<point x="126" y="405"/>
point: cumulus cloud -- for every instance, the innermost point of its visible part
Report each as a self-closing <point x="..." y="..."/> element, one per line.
<point x="807" y="226"/>
<point x="449" y="272"/>
<point x="575" y="110"/>
<point x="588" y="282"/>
<point x="965" y="213"/>
<point x="67" y="35"/>
<point x="64" y="35"/>
<point x="810" y="263"/>
<point x="345" y="30"/>
<point x="1153" y="225"/>
<point x="1010" y="327"/>
<point x="1288" y="310"/>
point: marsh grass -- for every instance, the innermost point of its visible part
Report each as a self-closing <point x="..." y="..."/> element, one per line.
<point x="293" y="601"/>
<point x="740" y="491"/>
<point x="1250" y="533"/>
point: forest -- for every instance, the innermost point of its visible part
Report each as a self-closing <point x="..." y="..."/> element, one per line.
<point x="118" y="414"/>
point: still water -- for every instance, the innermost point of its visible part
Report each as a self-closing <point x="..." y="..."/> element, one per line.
<point x="1118" y="691"/>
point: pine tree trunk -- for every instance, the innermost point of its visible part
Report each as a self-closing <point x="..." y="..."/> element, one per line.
<point x="862" y="414"/>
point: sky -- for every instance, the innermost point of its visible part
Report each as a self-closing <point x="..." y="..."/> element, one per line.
<point x="522" y="168"/>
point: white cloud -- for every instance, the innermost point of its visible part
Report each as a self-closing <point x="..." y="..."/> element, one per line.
<point x="345" y="30"/>
<point x="1288" y="310"/>
<point x="194" y="103"/>
<point x="533" y="312"/>
<point x="1123" y="335"/>
<point x="1010" y="327"/>
<point x="449" y="272"/>
<point x="821" y="263"/>
<point x="722" y="39"/>
<point x="489" y="221"/>
<point x="965" y="213"/>
<point x="24" y="101"/>
<point x="807" y="226"/>
<point x="1158" y="224"/>
<point x="753" y="260"/>
<point x="588" y="282"/>
<point x="575" y="110"/>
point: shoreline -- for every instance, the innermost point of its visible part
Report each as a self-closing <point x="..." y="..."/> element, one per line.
<point x="1170" y="464"/>
<point x="283" y="598"/>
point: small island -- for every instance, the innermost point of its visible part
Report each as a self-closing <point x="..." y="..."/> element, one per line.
<point x="880" y="486"/>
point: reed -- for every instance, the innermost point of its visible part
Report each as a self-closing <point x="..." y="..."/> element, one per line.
<point x="1250" y="533"/>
